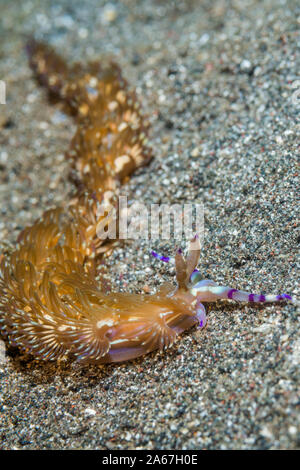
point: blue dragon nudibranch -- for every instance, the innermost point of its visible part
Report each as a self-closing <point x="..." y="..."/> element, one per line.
<point x="52" y="303"/>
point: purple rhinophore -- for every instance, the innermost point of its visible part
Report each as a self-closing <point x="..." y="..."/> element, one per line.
<point x="251" y="298"/>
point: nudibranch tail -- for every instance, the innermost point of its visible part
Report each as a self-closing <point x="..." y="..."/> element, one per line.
<point x="50" y="69"/>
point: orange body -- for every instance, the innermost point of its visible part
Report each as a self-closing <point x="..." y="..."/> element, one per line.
<point x="51" y="304"/>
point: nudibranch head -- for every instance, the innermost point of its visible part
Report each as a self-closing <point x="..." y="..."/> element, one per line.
<point x="195" y="290"/>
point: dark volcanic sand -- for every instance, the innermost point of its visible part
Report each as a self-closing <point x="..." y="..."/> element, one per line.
<point x="216" y="79"/>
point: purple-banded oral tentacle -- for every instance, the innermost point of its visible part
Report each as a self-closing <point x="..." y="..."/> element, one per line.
<point x="163" y="258"/>
<point x="208" y="291"/>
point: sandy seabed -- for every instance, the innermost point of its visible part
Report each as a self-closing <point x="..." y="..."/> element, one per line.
<point x="217" y="80"/>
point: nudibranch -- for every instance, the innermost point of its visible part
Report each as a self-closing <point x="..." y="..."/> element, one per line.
<point x="52" y="303"/>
